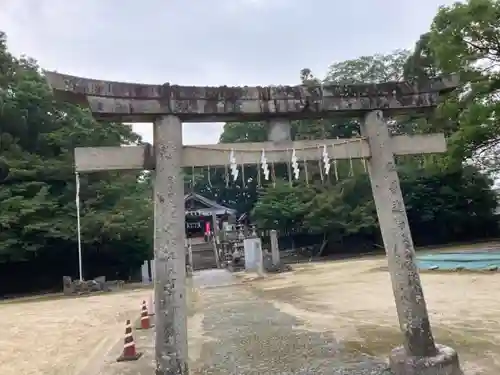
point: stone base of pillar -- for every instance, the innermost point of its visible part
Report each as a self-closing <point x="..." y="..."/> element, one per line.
<point x="445" y="362"/>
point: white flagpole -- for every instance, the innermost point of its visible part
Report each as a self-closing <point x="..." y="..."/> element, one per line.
<point x="80" y="266"/>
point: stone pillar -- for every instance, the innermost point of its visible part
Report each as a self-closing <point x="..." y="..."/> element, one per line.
<point x="252" y="247"/>
<point x="260" y="256"/>
<point x="145" y="273"/>
<point x="170" y="260"/>
<point x="419" y="351"/>
<point x="215" y="240"/>
<point x="153" y="270"/>
<point x="190" y="256"/>
<point x="275" y="250"/>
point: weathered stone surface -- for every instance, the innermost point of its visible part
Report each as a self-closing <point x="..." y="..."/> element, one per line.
<point x="85" y="287"/>
<point x="275" y="249"/>
<point x="99" y="284"/>
<point x="139" y="102"/>
<point x="445" y="362"/>
<point x="92" y="159"/>
<point x="169" y="251"/>
<point x="68" y="285"/>
<point x="410" y="302"/>
<point x="267" y="260"/>
<point x="93" y="87"/>
<point x="279" y="131"/>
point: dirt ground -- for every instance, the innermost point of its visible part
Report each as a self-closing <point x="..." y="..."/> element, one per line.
<point x="353" y="298"/>
<point x="60" y="336"/>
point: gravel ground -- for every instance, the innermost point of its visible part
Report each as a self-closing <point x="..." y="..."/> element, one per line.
<point x="333" y="318"/>
<point x="245" y="334"/>
<point x="354" y="299"/>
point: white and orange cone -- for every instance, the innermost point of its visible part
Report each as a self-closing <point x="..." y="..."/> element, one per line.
<point x="145" y="322"/>
<point x="129" y="352"/>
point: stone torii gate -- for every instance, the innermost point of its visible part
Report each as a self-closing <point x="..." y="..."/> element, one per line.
<point x="167" y="106"/>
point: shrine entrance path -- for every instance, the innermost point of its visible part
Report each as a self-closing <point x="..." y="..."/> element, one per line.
<point x="234" y="330"/>
<point x="334" y="317"/>
<point x="247" y="334"/>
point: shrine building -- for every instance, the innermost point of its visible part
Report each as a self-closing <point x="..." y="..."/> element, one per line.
<point x="200" y="212"/>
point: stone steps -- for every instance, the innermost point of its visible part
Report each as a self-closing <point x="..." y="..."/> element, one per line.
<point x="203" y="256"/>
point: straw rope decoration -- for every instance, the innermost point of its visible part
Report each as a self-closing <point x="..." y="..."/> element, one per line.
<point x="259" y="181"/>
<point x="266" y="171"/>
<point x="273" y="174"/>
<point x="289" y="167"/>
<point x="226" y="175"/>
<point x="209" y="177"/>
<point x="320" y="166"/>
<point x="363" y="160"/>
<point x="243" y="175"/>
<point x="351" y="166"/>
<point x="306" y="172"/>
<point x="335" y="166"/>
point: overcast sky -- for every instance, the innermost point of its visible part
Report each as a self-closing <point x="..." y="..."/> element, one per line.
<point x="208" y="42"/>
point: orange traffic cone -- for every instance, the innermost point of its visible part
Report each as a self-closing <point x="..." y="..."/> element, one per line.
<point x="129" y="352"/>
<point x="145" y="323"/>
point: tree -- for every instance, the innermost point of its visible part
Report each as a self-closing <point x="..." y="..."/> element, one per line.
<point x="366" y="69"/>
<point x="464" y="39"/>
<point x="421" y="64"/>
<point x="341" y="211"/>
<point x="37" y="195"/>
<point x="344" y="209"/>
<point x="449" y="205"/>
<point x="236" y="132"/>
<point x="282" y="207"/>
<point x="369" y="69"/>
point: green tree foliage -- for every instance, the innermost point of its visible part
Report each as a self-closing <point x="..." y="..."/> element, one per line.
<point x="442" y="206"/>
<point x="447" y="198"/>
<point x="464" y="39"/>
<point x="421" y="64"/>
<point x="366" y="69"/>
<point x="439" y="198"/>
<point x="369" y="69"/>
<point x="449" y="205"/>
<point x="37" y="195"/>
<point x="283" y="207"/>
<point x="237" y="132"/>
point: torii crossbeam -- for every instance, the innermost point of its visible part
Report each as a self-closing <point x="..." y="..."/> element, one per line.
<point x="168" y="105"/>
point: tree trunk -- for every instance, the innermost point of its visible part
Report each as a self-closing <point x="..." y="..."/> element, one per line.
<point x="323" y="245"/>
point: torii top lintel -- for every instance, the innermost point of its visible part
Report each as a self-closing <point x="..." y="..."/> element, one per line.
<point x="132" y="102"/>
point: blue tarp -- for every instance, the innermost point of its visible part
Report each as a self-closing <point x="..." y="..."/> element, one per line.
<point x="472" y="260"/>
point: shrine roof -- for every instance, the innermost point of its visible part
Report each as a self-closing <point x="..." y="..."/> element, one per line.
<point x="219" y="208"/>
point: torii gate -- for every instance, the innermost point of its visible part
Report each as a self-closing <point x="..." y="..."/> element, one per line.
<point x="167" y="106"/>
